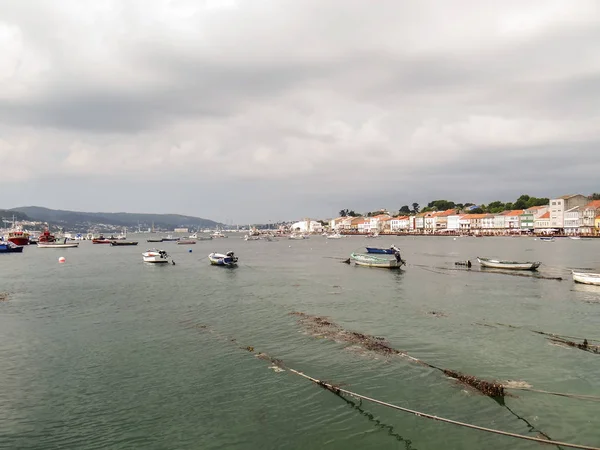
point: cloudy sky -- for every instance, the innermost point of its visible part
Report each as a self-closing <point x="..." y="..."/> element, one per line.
<point x="255" y="110"/>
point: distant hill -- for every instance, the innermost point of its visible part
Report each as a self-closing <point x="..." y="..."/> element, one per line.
<point x="75" y="219"/>
<point x="7" y="214"/>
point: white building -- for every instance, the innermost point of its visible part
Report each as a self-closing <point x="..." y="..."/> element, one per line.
<point x="558" y="206"/>
<point x="308" y="226"/>
<point x="499" y="222"/>
<point x="453" y="223"/>
<point x="573" y="220"/>
<point x="377" y="222"/>
<point x="400" y="224"/>
<point x="589" y="214"/>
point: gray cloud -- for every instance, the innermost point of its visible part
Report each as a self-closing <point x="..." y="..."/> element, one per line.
<point x="297" y="108"/>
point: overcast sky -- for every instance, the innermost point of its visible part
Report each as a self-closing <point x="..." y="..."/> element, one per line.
<point x="255" y="110"/>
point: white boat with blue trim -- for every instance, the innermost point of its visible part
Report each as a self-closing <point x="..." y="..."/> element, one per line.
<point x="219" y="259"/>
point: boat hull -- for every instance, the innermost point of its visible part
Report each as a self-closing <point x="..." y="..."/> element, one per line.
<point x="55" y="245"/>
<point x="155" y="257"/>
<point x="218" y="259"/>
<point x="188" y="242"/>
<point x="586" y="278"/>
<point x="508" y="265"/>
<point x="372" y="261"/>
<point x="8" y="248"/>
<point x="101" y="241"/>
<point x="123" y="243"/>
<point x="20" y="241"/>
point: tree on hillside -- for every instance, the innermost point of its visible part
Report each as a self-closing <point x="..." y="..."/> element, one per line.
<point x="343" y="213"/>
<point x="415" y="208"/>
<point x="476" y="211"/>
<point x="525" y="201"/>
<point x="595" y="196"/>
<point x="496" y="207"/>
<point x="441" y="205"/>
<point x="404" y="210"/>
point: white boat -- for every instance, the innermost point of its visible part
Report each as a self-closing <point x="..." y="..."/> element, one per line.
<point x="217" y="234"/>
<point x="373" y="235"/>
<point x="509" y="265"/>
<point x="156" y="256"/>
<point x="297" y="236"/>
<point x="219" y="259"/>
<point x="375" y="261"/>
<point x="249" y="237"/>
<point x="63" y="244"/>
<point x="334" y="236"/>
<point x="547" y="238"/>
<point x="586" y="278"/>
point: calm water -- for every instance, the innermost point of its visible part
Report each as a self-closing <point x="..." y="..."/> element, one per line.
<point x="100" y="352"/>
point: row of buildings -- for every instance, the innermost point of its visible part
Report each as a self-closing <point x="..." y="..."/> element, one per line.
<point x="569" y="214"/>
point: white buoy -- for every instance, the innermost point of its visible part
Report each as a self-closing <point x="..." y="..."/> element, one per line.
<point x="62" y="260"/>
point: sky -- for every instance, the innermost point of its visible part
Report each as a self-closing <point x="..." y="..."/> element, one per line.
<point x="246" y="111"/>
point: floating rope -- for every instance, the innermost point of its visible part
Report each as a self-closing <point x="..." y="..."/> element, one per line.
<point x="497" y="272"/>
<point x="338" y="391"/>
<point x="558" y="394"/>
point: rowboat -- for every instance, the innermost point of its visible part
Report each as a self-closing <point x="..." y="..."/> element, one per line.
<point x="218" y="259"/>
<point x="586" y="278"/>
<point x="58" y="244"/>
<point x="509" y="265"/>
<point x="374" y="261"/>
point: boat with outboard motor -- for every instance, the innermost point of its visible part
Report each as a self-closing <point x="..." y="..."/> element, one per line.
<point x="219" y="259"/>
<point x="56" y="244"/>
<point x="382" y="251"/>
<point x="155" y="256"/>
<point x="375" y="261"/>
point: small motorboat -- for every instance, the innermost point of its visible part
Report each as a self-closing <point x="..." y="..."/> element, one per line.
<point x="101" y="240"/>
<point x="250" y="237"/>
<point x="63" y="244"/>
<point x="9" y="247"/>
<point x="218" y="234"/>
<point x="334" y="236"/>
<point x="154" y="240"/>
<point x="156" y="256"/>
<point x="508" y="265"/>
<point x="374" y="261"/>
<point x="170" y="238"/>
<point x="586" y="278"/>
<point x="297" y="237"/>
<point x="547" y="238"/>
<point x="123" y="243"/>
<point x="218" y="259"/>
<point x="186" y="242"/>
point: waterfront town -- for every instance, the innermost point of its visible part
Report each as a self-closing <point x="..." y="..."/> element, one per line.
<point x="569" y="215"/>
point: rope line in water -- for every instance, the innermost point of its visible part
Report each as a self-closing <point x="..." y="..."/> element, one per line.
<point x="558" y="394"/>
<point x="338" y="391"/>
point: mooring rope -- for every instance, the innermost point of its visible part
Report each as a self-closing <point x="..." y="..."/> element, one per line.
<point x="338" y="390"/>
<point x="558" y="394"/>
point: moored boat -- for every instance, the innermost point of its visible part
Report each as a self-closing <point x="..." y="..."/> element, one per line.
<point x="46" y="237"/>
<point x="63" y="244"/>
<point x="9" y="247"/>
<point x="586" y="278"/>
<point x="123" y="243"/>
<point x="218" y="234"/>
<point x="219" y="259"/>
<point x="374" y="261"/>
<point x="334" y="236"/>
<point x="18" y="237"/>
<point x="155" y="256"/>
<point x="170" y="238"/>
<point x="154" y="240"/>
<point x="297" y="236"/>
<point x="186" y="242"/>
<point x="547" y="238"/>
<point x="508" y="265"/>
<point x="101" y="240"/>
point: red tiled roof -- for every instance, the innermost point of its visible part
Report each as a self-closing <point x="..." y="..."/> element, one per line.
<point x="545" y="215"/>
<point x="514" y="212"/>
<point x="595" y="204"/>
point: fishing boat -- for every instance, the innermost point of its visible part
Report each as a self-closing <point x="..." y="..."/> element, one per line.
<point x="218" y="259"/>
<point x="46" y="236"/>
<point x="123" y="243"/>
<point x="374" y="261"/>
<point x="186" y="242"/>
<point x="154" y="240"/>
<point x="101" y="240"/>
<point x="155" y="256"/>
<point x="18" y="237"/>
<point x="63" y="244"/>
<point x="586" y="278"/>
<point x="9" y="247"/>
<point x="508" y="265"/>
<point x="170" y="238"/>
<point x="547" y="238"/>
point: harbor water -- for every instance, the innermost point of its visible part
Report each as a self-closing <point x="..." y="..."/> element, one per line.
<point x="106" y="352"/>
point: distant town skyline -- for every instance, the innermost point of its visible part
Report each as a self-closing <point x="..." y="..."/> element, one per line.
<point x="246" y="112"/>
